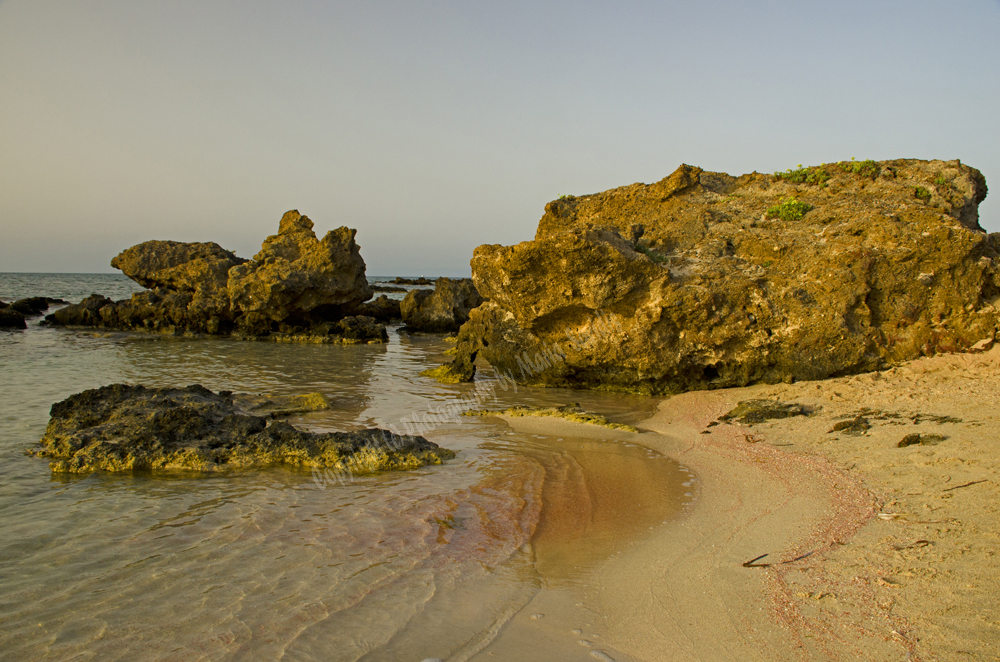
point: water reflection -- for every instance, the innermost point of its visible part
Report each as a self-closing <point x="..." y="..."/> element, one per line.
<point x="271" y="563"/>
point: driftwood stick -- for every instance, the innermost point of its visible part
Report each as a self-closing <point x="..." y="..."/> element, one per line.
<point x="751" y="564"/>
<point x="975" y="482"/>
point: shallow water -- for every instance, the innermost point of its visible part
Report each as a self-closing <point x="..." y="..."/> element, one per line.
<point x="283" y="564"/>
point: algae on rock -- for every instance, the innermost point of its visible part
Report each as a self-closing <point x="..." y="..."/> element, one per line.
<point x="133" y="428"/>
<point x="688" y="283"/>
<point x="571" y="412"/>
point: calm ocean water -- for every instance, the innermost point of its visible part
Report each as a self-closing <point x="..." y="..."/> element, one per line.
<point x="282" y="564"/>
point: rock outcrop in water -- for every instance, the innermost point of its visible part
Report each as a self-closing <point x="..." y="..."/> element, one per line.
<point x="297" y="278"/>
<point x="443" y="310"/>
<point x="298" y="287"/>
<point x="11" y="319"/>
<point x="128" y="428"/>
<point x="704" y="280"/>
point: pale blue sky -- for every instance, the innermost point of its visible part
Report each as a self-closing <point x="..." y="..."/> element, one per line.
<point x="435" y="127"/>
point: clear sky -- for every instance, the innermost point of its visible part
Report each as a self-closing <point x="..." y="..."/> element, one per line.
<point x="433" y="127"/>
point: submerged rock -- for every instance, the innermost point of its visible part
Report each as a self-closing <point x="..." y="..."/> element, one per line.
<point x="11" y="319"/>
<point x="704" y="280"/>
<point x="32" y="306"/>
<point x="443" y="310"/>
<point x="571" y="412"/>
<point x="127" y="428"/>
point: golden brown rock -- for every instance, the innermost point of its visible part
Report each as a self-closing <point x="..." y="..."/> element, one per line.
<point x="704" y="280"/>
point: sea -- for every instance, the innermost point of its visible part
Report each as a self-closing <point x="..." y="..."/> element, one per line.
<point x="283" y="564"/>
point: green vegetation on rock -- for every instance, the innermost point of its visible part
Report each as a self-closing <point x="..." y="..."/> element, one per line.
<point x="749" y="412"/>
<point x="817" y="175"/>
<point x="847" y="289"/>
<point x="655" y="256"/>
<point x="789" y="209"/>
<point x="920" y="193"/>
<point x="866" y="168"/>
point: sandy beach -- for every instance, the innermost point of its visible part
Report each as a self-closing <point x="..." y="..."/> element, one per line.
<point x="873" y="551"/>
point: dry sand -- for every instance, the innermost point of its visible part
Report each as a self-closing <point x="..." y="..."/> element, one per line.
<point x="876" y="552"/>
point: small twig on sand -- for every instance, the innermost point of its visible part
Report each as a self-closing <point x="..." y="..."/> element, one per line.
<point x="975" y="482"/>
<point x="752" y="562"/>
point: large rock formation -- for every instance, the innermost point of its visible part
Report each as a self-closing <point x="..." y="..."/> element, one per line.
<point x="198" y="270"/>
<point x="704" y="280"/>
<point x="127" y="428"/>
<point x="443" y="310"/>
<point x="295" y="274"/>
<point x="296" y="288"/>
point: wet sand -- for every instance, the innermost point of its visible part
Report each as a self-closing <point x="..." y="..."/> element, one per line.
<point x="873" y="552"/>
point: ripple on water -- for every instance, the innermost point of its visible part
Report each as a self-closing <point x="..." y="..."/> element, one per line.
<point x="398" y="566"/>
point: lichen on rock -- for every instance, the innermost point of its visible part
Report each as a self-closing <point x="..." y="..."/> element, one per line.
<point x="689" y="284"/>
<point x="123" y="427"/>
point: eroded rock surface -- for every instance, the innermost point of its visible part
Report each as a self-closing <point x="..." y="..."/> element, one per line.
<point x="127" y="428"/>
<point x="704" y="280"/>
<point x="297" y="287"/>
<point x="444" y="309"/>
<point x="296" y="273"/>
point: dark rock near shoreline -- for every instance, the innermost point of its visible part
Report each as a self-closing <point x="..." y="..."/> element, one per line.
<point x="33" y="306"/>
<point x="127" y="428"/>
<point x="387" y="288"/>
<point x="399" y="280"/>
<point x="382" y="308"/>
<point x="11" y="319"/>
<point x="443" y="310"/>
<point x="704" y="280"/>
<point x="85" y="313"/>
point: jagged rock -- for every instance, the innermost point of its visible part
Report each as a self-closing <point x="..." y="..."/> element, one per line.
<point x="296" y="288"/>
<point x="198" y="269"/>
<point x="704" y="280"/>
<point x="399" y="280"/>
<point x="445" y="309"/>
<point x="387" y="288"/>
<point x="127" y="428"/>
<point x="33" y="306"/>
<point x="11" y="319"/>
<point x="85" y="313"/>
<point x="381" y="308"/>
<point x="295" y="273"/>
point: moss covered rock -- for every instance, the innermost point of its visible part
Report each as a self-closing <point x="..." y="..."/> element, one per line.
<point x="127" y="428"/>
